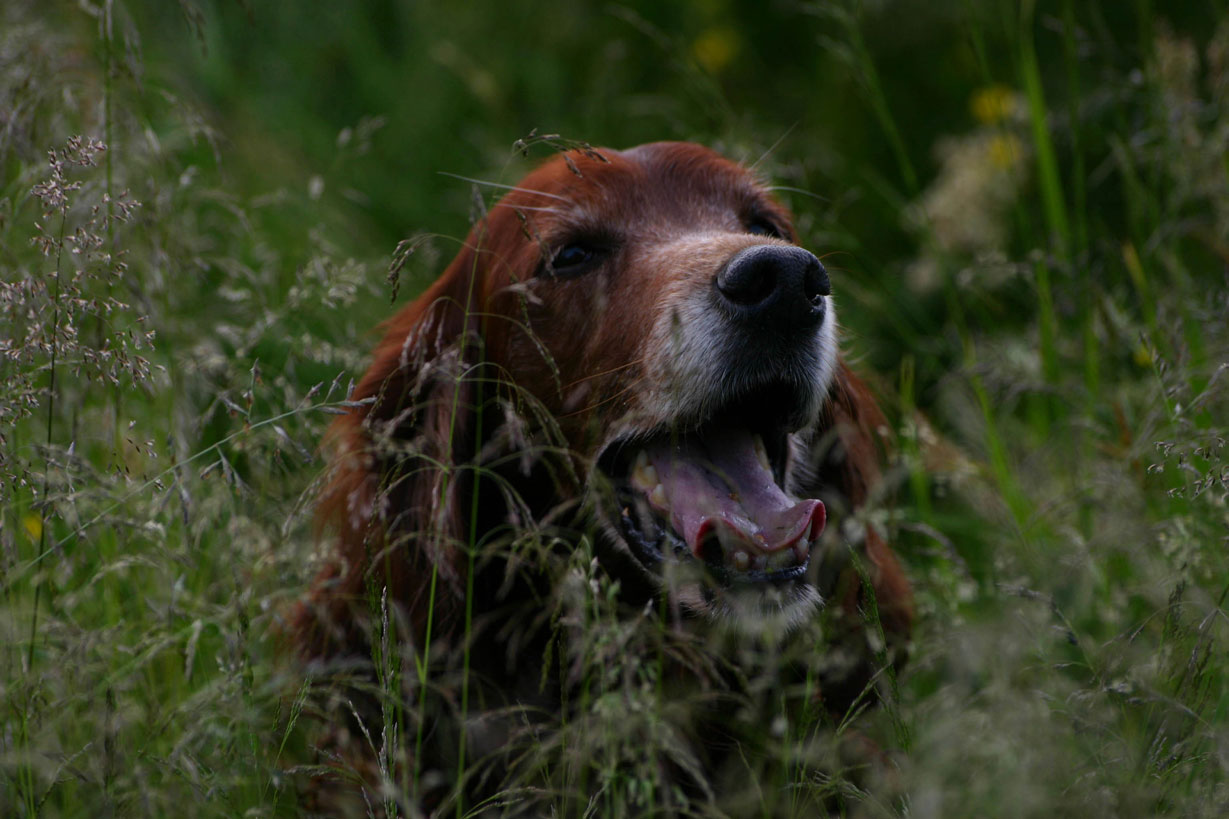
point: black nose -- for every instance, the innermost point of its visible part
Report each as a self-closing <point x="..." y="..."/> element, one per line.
<point x="777" y="285"/>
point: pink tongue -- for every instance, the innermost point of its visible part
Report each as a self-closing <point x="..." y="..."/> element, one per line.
<point x="720" y="485"/>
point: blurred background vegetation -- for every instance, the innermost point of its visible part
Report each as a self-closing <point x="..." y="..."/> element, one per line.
<point x="1025" y="207"/>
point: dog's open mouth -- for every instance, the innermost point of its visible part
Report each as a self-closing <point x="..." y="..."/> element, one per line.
<point x="715" y="494"/>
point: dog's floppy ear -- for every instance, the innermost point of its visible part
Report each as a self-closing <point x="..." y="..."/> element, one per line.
<point x="393" y="500"/>
<point x="846" y="464"/>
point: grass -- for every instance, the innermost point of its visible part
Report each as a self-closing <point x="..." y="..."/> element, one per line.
<point x="1036" y="281"/>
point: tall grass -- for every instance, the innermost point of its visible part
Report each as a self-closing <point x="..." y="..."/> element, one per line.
<point x="139" y="435"/>
<point x="1038" y="285"/>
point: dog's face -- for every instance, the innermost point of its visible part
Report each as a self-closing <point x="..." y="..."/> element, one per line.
<point x="655" y="302"/>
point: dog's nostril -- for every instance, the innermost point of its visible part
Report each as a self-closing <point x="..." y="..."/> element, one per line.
<point x="747" y="284"/>
<point x="815" y="283"/>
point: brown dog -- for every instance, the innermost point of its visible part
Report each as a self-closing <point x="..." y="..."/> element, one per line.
<point x="633" y="343"/>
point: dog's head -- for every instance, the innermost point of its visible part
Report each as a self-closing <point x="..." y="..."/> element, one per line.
<point x="655" y="306"/>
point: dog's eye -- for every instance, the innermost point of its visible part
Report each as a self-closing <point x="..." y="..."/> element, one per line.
<point x="571" y="256"/>
<point x="762" y="227"/>
<point x="573" y="259"/>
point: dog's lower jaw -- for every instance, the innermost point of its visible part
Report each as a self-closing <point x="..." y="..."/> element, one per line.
<point x="762" y="610"/>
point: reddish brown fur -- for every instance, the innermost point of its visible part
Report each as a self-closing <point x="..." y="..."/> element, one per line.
<point x="588" y="361"/>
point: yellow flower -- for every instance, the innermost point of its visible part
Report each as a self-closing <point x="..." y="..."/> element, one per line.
<point x="993" y="104"/>
<point x="1004" y="151"/>
<point x="715" y="47"/>
<point x="33" y="525"/>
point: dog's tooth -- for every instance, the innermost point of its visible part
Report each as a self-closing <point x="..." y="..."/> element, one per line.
<point x="761" y="451"/>
<point x="801" y="549"/>
<point x="644" y="474"/>
<point x="760" y="563"/>
<point x="741" y="560"/>
<point x="658" y="496"/>
<point x="780" y="559"/>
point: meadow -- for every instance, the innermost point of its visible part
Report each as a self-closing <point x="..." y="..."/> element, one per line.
<point x="205" y="208"/>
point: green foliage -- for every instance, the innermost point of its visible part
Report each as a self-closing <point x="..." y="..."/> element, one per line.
<point x="1025" y="208"/>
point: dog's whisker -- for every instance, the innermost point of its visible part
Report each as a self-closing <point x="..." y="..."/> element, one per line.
<point x="520" y="206"/>
<point x="773" y="147"/>
<point x="610" y="371"/>
<point x="812" y="194"/>
<point x="502" y="186"/>
<point x="607" y="400"/>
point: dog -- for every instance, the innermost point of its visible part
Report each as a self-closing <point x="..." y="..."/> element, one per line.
<point x="631" y="347"/>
